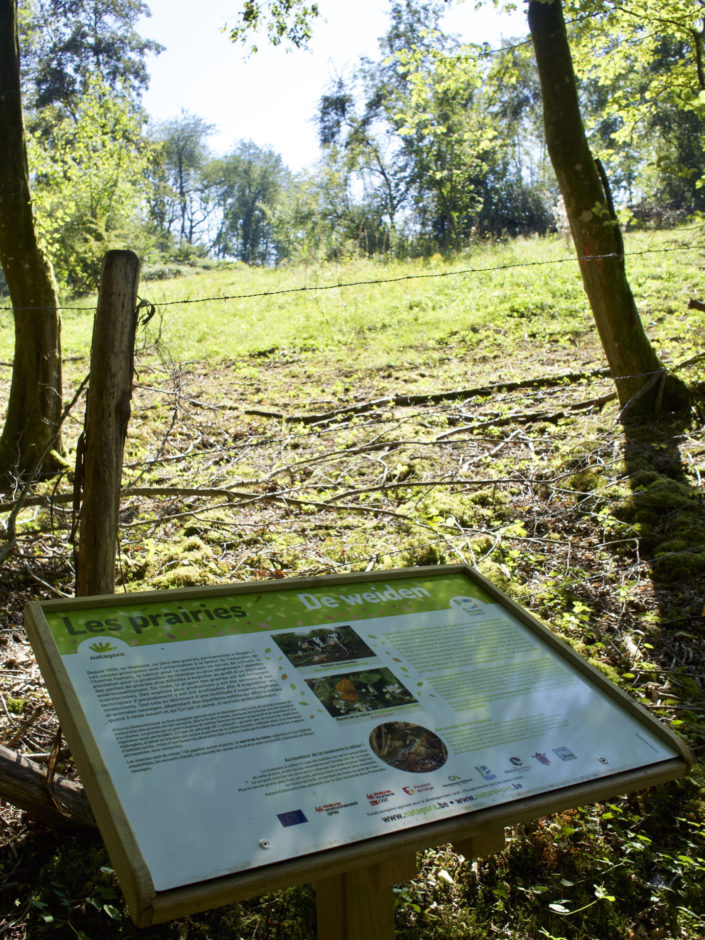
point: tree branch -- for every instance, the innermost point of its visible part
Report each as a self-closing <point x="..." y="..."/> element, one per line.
<point x="24" y="783"/>
<point x="432" y="397"/>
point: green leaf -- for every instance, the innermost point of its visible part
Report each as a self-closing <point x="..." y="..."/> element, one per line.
<point x="602" y="894"/>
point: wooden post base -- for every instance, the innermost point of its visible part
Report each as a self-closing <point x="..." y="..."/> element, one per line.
<point x="359" y="904"/>
<point x="484" y="843"/>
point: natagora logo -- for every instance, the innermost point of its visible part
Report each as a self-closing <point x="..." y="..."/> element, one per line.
<point x="103" y="648"/>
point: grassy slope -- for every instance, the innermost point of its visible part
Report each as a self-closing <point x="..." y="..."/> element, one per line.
<point x="524" y="280"/>
<point x="603" y="538"/>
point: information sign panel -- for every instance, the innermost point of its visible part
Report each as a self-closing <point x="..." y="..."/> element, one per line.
<point x="220" y="730"/>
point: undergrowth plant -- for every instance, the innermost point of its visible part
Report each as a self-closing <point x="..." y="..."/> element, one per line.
<point x="423" y="420"/>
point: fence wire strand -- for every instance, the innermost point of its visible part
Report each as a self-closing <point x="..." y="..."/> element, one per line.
<point x="305" y="288"/>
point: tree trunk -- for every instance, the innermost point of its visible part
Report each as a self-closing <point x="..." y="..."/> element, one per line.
<point x="642" y="383"/>
<point x="32" y="424"/>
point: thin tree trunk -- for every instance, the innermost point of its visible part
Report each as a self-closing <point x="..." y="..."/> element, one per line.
<point x="641" y="380"/>
<point x="34" y="408"/>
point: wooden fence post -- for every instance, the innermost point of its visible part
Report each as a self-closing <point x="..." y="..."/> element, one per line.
<point x="107" y="415"/>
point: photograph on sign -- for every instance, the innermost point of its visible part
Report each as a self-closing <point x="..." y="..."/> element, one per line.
<point x="244" y="729"/>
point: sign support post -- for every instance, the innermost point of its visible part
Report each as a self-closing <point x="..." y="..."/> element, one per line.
<point x="359" y="904"/>
<point x="484" y="843"/>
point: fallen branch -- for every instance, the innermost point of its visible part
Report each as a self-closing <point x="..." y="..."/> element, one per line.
<point x="23" y="783"/>
<point x="528" y="417"/>
<point x="431" y="397"/>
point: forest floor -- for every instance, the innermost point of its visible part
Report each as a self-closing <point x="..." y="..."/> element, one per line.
<point x="496" y="443"/>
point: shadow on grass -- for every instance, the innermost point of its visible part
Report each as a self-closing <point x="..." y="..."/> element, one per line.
<point x="62" y="886"/>
<point x="667" y="511"/>
<point x="668" y="514"/>
<point x="645" y="850"/>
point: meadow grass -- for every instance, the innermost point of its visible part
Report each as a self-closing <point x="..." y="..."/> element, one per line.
<point x="522" y="287"/>
<point x="432" y="299"/>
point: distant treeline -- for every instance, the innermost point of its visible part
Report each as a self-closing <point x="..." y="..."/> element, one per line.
<point x="429" y="147"/>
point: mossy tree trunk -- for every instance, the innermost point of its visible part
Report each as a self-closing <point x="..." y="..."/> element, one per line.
<point x="32" y="423"/>
<point x="640" y="378"/>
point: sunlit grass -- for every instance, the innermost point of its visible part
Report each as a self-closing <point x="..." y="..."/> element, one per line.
<point x="525" y="288"/>
<point x="418" y="302"/>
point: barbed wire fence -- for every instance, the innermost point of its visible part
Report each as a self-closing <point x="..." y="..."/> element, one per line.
<point x="389" y="442"/>
<point x="374" y="282"/>
<point x="525" y="479"/>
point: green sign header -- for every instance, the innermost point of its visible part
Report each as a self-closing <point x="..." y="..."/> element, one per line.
<point x="162" y="621"/>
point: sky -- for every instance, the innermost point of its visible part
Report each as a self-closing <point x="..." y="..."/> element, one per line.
<point x="271" y="97"/>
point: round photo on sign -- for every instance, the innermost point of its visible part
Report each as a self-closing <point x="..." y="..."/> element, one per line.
<point x="408" y="747"/>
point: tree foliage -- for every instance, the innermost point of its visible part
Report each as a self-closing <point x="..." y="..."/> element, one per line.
<point x="84" y="69"/>
<point x="179" y="201"/>
<point x="88" y="183"/>
<point x="282" y="21"/>
<point x="427" y="146"/>
<point x="247" y="185"/>
<point x="437" y="132"/>
<point x="641" y="65"/>
<point x="67" y="44"/>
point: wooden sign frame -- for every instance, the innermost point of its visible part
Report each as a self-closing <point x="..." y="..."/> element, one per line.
<point x="477" y="830"/>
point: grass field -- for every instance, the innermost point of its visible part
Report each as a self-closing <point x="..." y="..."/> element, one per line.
<point x="528" y="288"/>
<point x="455" y="412"/>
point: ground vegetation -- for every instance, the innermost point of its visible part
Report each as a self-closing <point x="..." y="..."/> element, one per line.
<point x="449" y="410"/>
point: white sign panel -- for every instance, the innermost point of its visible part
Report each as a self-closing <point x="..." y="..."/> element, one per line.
<point x="244" y="729"/>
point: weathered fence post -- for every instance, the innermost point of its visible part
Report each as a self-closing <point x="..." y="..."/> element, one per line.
<point x="107" y="415"/>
